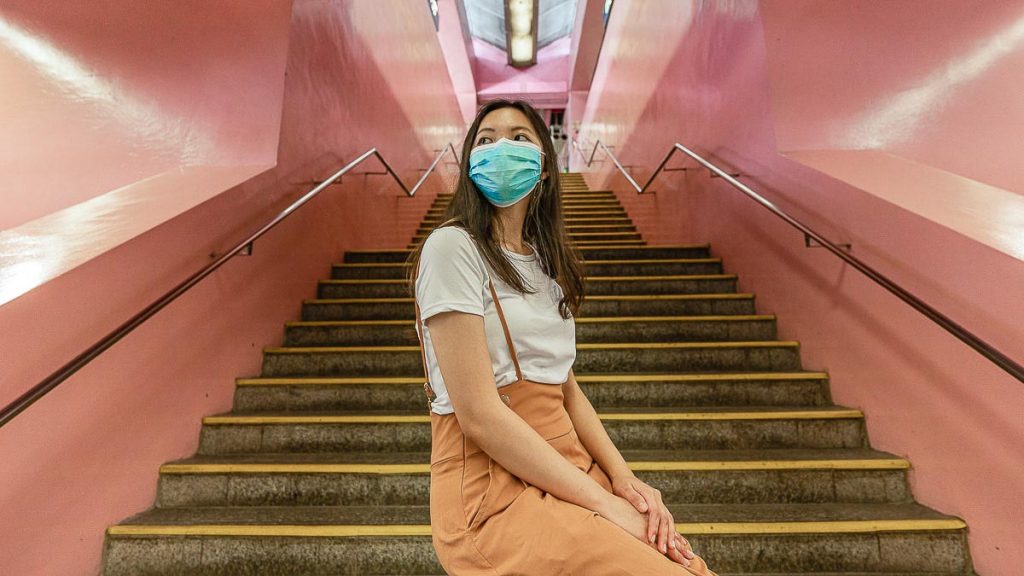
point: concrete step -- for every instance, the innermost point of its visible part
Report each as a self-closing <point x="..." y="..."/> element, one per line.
<point x="595" y="286"/>
<point x="587" y="243"/>
<point x="432" y="222"/>
<point x="594" y="357"/>
<point x="616" y="267"/>
<point x="593" y="306"/>
<point x="420" y="236"/>
<point x="403" y="478"/>
<point x="635" y="390"/>
<point x="572" y="195"/>
<point x="612" y="329"/>
<point x="424" y="230"/>
<point x="585" y="209"/>
<point x="575" y="242"/>
<point x="611" y="252"/>
<point x="741" y="428"/>
<point x="743" y="538"/>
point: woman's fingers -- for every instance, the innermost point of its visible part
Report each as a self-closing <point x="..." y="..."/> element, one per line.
<point x="678" y="554"/>
<point x="653" y="520"/>
<point x="684" y="545"/>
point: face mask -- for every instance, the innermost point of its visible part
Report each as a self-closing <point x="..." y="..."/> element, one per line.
<point x="505" y="171"/>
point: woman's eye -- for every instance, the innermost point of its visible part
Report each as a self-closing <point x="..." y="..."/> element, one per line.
<point x="525" y="137"/>
<point x="483" y="140"/>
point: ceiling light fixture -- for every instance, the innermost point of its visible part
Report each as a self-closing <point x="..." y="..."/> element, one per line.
<point x="521" y="32"/>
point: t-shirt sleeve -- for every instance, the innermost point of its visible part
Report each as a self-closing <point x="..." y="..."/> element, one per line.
<point x="451" y="274"/>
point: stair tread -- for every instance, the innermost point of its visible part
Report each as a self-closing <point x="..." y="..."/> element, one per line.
<point x="583" y="377"/>
<point x="419" y="514"/>
<point x="422" y="457"/>
<point x="604" y="411"/>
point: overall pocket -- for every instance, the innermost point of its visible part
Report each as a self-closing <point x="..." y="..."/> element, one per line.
<point x="502" y="489"/>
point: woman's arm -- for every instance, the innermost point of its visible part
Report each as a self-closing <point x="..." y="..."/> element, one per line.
<point x="461" y="349"/>
<point x="591" y="431"/>
<point x="660" y="525"/>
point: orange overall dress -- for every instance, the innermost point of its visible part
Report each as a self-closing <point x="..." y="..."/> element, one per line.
<point x="486" y="521"/>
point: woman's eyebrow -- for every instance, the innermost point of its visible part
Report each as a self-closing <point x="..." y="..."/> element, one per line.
<point x="488" y="128"/>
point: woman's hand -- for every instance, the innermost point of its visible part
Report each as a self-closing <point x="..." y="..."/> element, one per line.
<point x="622" y="513"/>
<point x="660" y="531"/>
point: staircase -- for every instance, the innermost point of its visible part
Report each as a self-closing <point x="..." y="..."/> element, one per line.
<point x="323" y="465"/>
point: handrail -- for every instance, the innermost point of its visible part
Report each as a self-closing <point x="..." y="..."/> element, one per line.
<point x="984" y="348"/>
<point x="64" y="372"/>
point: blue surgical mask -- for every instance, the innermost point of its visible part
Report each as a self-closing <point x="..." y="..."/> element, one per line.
<point x="505" y="171"/>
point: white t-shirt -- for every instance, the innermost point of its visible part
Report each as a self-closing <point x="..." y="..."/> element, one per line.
<point x="453" y="276"/>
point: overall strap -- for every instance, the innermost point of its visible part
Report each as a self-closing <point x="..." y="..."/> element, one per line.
<point x="504" y="326"/>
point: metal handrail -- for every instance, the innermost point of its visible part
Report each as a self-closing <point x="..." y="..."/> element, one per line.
<point x="64" y="372"/>
<point x="1000" y="359"/>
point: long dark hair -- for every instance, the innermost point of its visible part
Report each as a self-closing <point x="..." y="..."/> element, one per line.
<point x="544" y="227"/>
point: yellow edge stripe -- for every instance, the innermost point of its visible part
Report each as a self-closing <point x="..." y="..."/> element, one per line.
<point x="591" y="346"/>
<point x="701" y="377"/>
<point x="663" y="277"/>
<point x="425" y="418"/>
<point x="651" y="466"/>
<point x="583" y="379"/>
<point x="718" y="296"/>
<point x="711" y="296"/>
<point x="590" y="320"/>
<point x="317" y="381"/>
<point x="687" y="528"/>
<point x="590" y="278"/>
<point x="736" y="318"/>
<point x="643" y="261"/>
<point x="372" y="251"/>
<point x="571" y="234"/>
<point x="684" y="345"/>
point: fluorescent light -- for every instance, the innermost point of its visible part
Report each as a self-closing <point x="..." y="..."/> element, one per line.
<point x="520" y="31"/>
<point x="522" y="49"/>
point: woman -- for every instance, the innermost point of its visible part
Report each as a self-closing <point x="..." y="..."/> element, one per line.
<point x="525" y="480"/>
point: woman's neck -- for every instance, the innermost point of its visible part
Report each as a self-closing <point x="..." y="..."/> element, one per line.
<point x="512" y="218"/>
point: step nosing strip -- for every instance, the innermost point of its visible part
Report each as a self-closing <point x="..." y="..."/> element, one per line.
<point x="659" y="246"/>
<point x="842" y="414"/>
<point x="644" y="465"/>
<point x="582" y="378"/>
<point x="587" y="320"/>
<point x="688" y="528"/>
<point x="706" y="296"/>
<point x="579" y="346"/>
<point x="604" y="262"/>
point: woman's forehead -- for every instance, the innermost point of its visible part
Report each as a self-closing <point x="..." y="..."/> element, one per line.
<point x="505" y="118"/>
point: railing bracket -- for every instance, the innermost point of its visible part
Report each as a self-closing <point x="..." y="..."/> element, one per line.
<point x="810" y="243"/>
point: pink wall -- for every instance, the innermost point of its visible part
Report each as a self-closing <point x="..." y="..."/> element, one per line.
<point x="457" y="45"/>
<point x="587" y="37"/>
<point x="706" y="82"/>
<point x="943" y="102"/>
<point x="359" y="74"/>
<point x="545" y="84"/>
<point x="101" y="94"/>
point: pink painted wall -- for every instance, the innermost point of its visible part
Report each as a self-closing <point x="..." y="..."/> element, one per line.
<point x="587" y="37"/>
<point x="943" y="102"/>
<point x="101" y="94"/>
<point x="699" y="73"/>
<point x="545" y="84"/>
<point x="457" y="45"/>
<point x="359" y="74"/>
